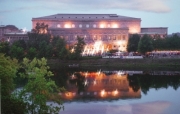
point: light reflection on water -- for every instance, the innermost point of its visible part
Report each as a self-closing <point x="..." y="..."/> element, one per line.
<point x="122" y="92"/>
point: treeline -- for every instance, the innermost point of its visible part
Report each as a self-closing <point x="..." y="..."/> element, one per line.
<point x="147" y="43"/>
<point x="43" y="45"/>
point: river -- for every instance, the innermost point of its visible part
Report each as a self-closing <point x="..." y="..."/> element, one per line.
<point x="119" y="91"/>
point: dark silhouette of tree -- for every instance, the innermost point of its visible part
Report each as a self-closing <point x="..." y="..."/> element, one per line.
<point x="145" y="44"/>
<point x="133" y="43"/>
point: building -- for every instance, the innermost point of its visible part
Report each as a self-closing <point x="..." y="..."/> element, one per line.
<point x="14" y="36"/>
<point x="161" y="31"/>
<point x="11" y="33"/>
<point x="6" y="29"/>
<point x="101" y="32"/>
<point x="109" y="30"/>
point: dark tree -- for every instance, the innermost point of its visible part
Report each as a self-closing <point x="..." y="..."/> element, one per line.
<point x="133" y="43"/>
<point x="79" y="46"/>
<point x="145" y="44"/>
<point x="4" y="48"/>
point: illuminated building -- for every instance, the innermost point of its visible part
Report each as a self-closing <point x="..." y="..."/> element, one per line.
<point x="110" y="30"/>
<point x="100" y="31"/>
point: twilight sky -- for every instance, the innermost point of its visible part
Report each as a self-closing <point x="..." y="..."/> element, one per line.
<point x="153" y="13"/>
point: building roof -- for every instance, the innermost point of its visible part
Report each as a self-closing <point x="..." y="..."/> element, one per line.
<point x="86" y="17"/>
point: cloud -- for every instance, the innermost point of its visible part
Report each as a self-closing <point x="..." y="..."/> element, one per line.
<point x="158" y="6"/>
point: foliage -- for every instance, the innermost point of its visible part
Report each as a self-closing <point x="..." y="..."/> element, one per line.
<point x="31" y="53"/>
<point x="8" y="69"/>
<point x="4" y="48"/>
<point x="133" y="43"/>
<point x="41" y="28"/>
<point x="39" y="88"/>
<point x="145" y="44"/>
<point x="17" y="52"/>
<point x="78" y="49"/>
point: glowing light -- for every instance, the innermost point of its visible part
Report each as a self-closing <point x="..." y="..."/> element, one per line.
<point x="24" y="30"/>
<point x="86" y="74"/>
<point x="114" y="26"/>
<point x="102" y="93"/>
<point x="73" y="76"/>
<point x="72" y="50"/>
<point x="102" y="25"/>
<point x="94" y="82"/>
<point x="120" y="73"/>
<point x="96" y="48"/>
<point x="115" y="92"/>
<point x="67" y="26"/>
<point x="99" y="72"/>
<point x="85" y="82"/>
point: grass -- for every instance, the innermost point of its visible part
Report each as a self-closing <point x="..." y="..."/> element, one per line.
<point x="97" y="62"/>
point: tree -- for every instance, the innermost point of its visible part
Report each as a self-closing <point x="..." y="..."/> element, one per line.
<point x="158" y="43"/>
<point x="58" y="44"/>
<point x="42" y="49"/>
<point x="145" y="44"/>
<point x="63" y="54"/>
<point x="17" y="52"/>
<point x="39" y="88"/>
<point x="31" y="53"/>
<point x="41" y="28"/>
<point x="79" y="46"/>
<point x="4" y="48"/>
<point x="133" y="43"/>
<point x="9" y="103"/>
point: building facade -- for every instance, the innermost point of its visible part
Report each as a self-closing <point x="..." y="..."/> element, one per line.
<point x="161" y="31"/>
<point x="6" y="29"/>
<point x="101" y="32"/>
<point x="108" y="31"/>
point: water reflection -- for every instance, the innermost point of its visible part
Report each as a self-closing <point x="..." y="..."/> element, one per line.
<point x="100" y="85"/>
<point x="119" y="84"/>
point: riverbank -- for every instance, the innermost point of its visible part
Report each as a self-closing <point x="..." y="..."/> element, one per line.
<point x="134" y="64"/>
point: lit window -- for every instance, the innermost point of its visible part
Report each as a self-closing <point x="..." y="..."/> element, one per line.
<point x="67" y="26"/>
<point x="87" y="26"/>
<point x="94" y="25"/>
<point x="102" y="26"/>
<point x="80" y="26"/>
<point x="109" y="25"/>
<point x="58" y="25"/>
<point x="73" y="26"/>
<point x="114" y="26"/>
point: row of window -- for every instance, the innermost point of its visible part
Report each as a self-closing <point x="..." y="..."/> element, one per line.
<point x="105" y="37"/>
<point x="88" y="26"/>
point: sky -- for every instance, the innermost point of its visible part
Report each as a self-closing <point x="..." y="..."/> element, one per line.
<point x="153" y="13"/>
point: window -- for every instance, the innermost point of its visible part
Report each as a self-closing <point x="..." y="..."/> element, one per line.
<point x="94" y="25"/>
<point x="119" y="37"/>
<point x="58" y="25"/>
<point x="109" y="25"/>
<point x="87" y="26"/>
<point x="73" y="26"/>
<point x="95" y="37"/>
<point x="114" y="38"/>
<point x="80" y="26"/>
<point x="124" y="37"/>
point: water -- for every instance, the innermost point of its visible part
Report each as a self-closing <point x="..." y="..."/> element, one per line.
<point x="120" y="92"/>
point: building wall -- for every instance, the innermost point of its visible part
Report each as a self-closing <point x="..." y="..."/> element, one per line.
<point x="152" y="31"/>
<point x="11" y="37"/>
<point x="112" y="30"/>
